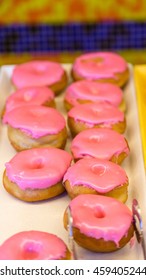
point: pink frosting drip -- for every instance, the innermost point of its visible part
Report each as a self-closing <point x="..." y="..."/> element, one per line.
<point x="33" y="245"/>
<point x="36" y="121"/>
<point x="37" y="73"/>
<point x="38" y="168"/>
<point x="99" y="65"/>
<point x="96" y="113"/>
<point x="93" y="91"/>
<point x="101" y="143"/>
<point x="29" y="96"/>
<point x="100" y="175"/>
<point x="101" y="217"/>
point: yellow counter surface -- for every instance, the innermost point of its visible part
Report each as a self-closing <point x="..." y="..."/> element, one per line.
<point x="140" y="85"/>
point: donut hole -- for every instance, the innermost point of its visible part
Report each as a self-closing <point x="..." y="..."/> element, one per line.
<point x="37" y="163"/>
<point x="40" y="68"/>
<point x="97" y="111"/>
<point x="99" y="213"/>
<point x="29" y="95"/>
<point x="31" y="250"/>
<point x="97" y="60"/>
<point x="99" y="169"/>
<point x="95" y="138"/>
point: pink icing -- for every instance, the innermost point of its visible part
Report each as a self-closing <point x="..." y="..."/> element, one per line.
<point x="36" y="121"/>
<point x="99" y="65"/>
<point x="29" y="96"/>
<point x="33" y="245"/>
<point x="93" y="91"/>
<point x="96" y="113"/>
<point x="101" y="217"/>
<point x="38" y="168"/>
<point x="37" y="73"/>
<point x="100" y="175"/>
<point x="101" y="143"/>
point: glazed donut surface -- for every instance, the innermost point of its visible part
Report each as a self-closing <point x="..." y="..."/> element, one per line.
<point x="36" y="121"/>
<point x="86" y="91"/>
<point x="38" y="168"/>
<point x="36" y="174"/>
<point x="30" y="96"/>
<point x="34" y="245"/>
<point x="98" y="177"/>
<point x="102" y="143"/>
<point x="98" y="114"/>
<point x="40" y="73"/>
<point x="100" y="223"/>
<point x="101" y="66"/>
<point x="35" y="126"/>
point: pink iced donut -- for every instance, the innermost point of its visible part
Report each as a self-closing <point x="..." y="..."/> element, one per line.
<point x="40" y="73"/>
<point x="102" y="67"/>
<point x="102" y="143"/>
<point x="34" y="245"/>
<point x="33" y="126"/>
<point x="99" y="114"/>
<point x="36" y="174"/>
<point x="100" y="223"/>
<point x="30" y="96"/>
<point x="86" y="91"/>
<point x="96" y="176"/>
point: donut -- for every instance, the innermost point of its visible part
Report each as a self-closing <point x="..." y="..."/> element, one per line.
<point x="40" y="73"/>
<point x="98" y="114"/>
<point x="36" y="174"/>
<point x="102" y="67"/>
<point x="30" y="96"/>
<point x="100" y="223"/>
<point x="86" y="91"/>
<point x="96" y="176"/>
<point x="35" y="126"/>
<point x="34" y="245"/>
<point x="102" y="143"/>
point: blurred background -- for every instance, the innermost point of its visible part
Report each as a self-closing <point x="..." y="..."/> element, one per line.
<point x="62" y="29"/>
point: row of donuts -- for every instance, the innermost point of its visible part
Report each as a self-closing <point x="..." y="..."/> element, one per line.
<point x="101" y="222"/>
<point x="38" y="164"/>
<point x="34" y="244"/>
<point x="96" y="120"/>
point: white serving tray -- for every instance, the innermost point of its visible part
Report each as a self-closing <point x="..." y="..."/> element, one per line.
<point x="16" y="215"/>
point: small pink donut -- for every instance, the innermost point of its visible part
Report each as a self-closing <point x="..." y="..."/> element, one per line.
<point x="102" y="143"/>
<point x="86" y="91"/>
<point x="96" y="176"/>
<point x="34" y="126"/>
<point x="102" y="67"/>
<point x="100" y="223"/>
<point x="36" y="174"/>
<point x="34" y="245"/>
<point x="98" y="114"/>
<point x="30" y="96"/>
<point x="40" y="73"/>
